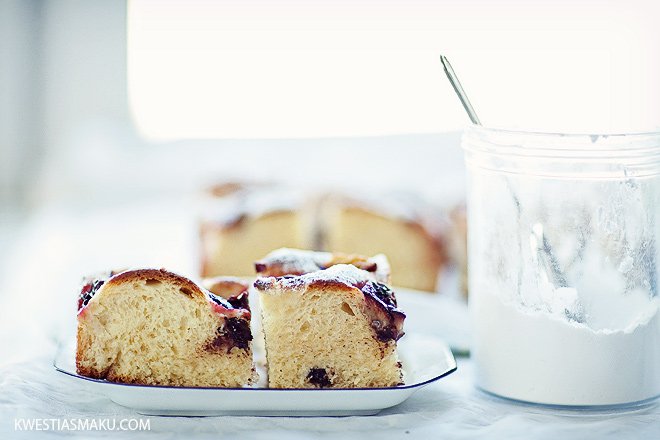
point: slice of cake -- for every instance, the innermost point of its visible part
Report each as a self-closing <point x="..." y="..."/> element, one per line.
<point x="154" y="327"/>
<point x="411" y="232"/>
<point x="241" y="223"/>
<point x="334" y="326"/>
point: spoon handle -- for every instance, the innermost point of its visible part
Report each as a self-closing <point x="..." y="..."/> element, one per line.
<point x="456" y="84"/>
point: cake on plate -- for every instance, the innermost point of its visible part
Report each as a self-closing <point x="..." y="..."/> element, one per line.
<point x="154" y="327"/>
<point x="330" y="321"/>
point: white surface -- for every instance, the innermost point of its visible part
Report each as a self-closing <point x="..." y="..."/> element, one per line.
<point x="425" y="359"/>
<point x="42" y="274"/>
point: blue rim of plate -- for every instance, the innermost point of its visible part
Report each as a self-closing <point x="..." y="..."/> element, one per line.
<point x="62" y="370"/>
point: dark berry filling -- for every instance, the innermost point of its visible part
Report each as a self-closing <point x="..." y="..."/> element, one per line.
<point x="235" y="333"/>
<point x="91" y="285"/>
<point x="220" y="301"/>
<point x="319" y="377"/>
<point x="386" y="333"/>
<point x="239" y="331"/>
<point x="88" y="291"/>
<point x="386" y="319"/>
<point x="239" y="301"/>
<point x="380" y="291"/>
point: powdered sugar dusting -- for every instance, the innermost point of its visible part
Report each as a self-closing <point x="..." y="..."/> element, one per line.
<point x="287" y="261"/>
<point x="346" y="274"/>
<point x="343" y="273"/>
<point x="251" y="203"/>
<point x="296" y="261"/>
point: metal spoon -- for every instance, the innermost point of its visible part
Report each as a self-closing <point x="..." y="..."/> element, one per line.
<point x="458" y="88"/>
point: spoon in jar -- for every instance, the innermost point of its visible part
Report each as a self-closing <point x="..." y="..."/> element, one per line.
<point x="550" y="261"/>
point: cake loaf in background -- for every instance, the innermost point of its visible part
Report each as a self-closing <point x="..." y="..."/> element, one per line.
<point x="402" y="225"/>
<point x="241" y="222"/>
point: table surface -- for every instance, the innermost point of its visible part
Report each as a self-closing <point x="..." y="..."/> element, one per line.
<point x="42" y="267"/>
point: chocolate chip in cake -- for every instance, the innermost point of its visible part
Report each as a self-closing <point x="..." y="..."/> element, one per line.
<point x="319" y="377"/>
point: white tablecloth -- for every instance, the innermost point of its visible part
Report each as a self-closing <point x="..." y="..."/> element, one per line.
<point x="450" y="408"/>
<point x="38" y="295"/>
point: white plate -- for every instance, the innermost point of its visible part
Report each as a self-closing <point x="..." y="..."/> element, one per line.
<point x="425" y="359"/>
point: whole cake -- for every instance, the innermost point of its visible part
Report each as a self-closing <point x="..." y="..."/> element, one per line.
<point x="329" y="320"/>
<point x="154" y="327"/>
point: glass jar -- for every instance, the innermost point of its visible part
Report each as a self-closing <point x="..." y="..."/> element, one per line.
<point x="563" y="246"/>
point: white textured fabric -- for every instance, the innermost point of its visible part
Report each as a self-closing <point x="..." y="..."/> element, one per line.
<point x="450" y="408"/>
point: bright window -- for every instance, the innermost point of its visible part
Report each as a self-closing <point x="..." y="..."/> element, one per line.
<point x="273" y="69"/>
